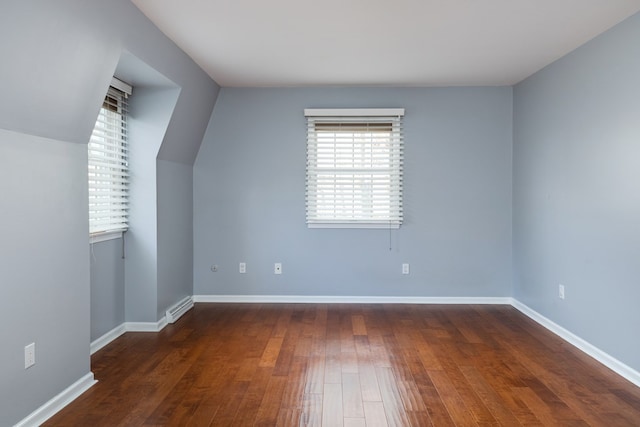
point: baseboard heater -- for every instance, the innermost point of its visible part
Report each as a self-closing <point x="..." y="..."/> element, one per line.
<point x="174" y="313"/>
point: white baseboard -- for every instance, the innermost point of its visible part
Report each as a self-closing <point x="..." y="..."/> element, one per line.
<point x="116" y="332"/>
<point x="49" y="409"/>
<point x="307" y="299"/>
<point x="146" y="326"/>
<point x="107" y="338"/>
<point x="607" y="360"/>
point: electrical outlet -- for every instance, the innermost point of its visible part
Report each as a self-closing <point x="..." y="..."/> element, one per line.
<point x="29" y="355"/>
<point x="561" y="291"/>
<point x="242" y="267"/>
<point x="277" y="268"/>
<point x="405" y="268"/>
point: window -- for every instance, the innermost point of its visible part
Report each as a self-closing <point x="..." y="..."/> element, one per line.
<point x="108" y="164"/>
<point x="354" y="168"/>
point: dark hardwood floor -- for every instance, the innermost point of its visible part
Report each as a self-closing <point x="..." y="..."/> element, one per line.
<point x="351" y="365"/>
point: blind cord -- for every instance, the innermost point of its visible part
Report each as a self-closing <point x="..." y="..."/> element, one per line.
<point x="93" y="257"/>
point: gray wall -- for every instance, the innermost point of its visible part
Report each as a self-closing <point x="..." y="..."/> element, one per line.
<point x="107" y="287"/>
<point x="150" y="110"/>
<point x="175" y="233"/>
<point x="249" y="203"/>
<point x="576" y="191"/>
<point x="44" y="270"/>
<point x="58" y="59"/>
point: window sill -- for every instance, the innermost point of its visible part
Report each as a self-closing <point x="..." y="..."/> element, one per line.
<point x="104" y="236"/>
<point x="354" y="225"/>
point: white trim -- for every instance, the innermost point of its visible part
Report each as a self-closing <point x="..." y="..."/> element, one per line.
<point x="176" y="311"/>
<point x="351" y="225"/>
<point x="107" y="338"/>
<point x="53" y="406"/>
<point x="609" y="361"/>
<point x="308" y="299"/>
<point x="353" y="112"/>
<point x="103" y="236"/>
<point x="118" y="331"/>
<point x="146" y="326"/>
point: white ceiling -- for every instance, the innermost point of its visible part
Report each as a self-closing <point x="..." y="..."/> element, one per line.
<point x="380" y="42"/>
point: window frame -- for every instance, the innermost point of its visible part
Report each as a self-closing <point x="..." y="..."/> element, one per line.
<point x="108" y="167"/>
<point x="351" y="172"/>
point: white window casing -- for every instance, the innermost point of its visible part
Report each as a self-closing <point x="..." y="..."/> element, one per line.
<point x="354" y="168"/>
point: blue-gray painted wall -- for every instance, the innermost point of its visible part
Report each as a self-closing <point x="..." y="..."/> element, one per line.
<point x="44" y="270"/>
<point x="175" y="233"/>
<point x="107" y="287"/>
<point x="577" y="191"/>
<point x="249" y="198"/>
<point x="150" y="110"/>
<point x="57" y="62"/>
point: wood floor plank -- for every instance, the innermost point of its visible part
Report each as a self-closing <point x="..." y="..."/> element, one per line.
<point x="391" y="399"/>
<point x="247" y="369"/>
<point x="289" y="418"/>
<point x="333" y="363"/>
<point x="281" y="327"/>
<point x="251" y="400"/>
<point x="455" y="404"/>
<point x="369" y="383"/>
<point x="202" y="416"/>
<point x="538" y="407"/>
<point x="295" y="386"/>
<point x="227" y="407"/>
<point x="352" y="365"/>
<point x="332" y="413"/>
<point x="287" y="350"/>
<point x="352" y="396"/>
<point x="349" y="362"/>
<point x="419" y="419"/>
<point x="410" y="396"/>
<point x="518" y="407"/>
<point x="271" y="353"/>
<point x="358" y="325"/>
<point x="314" y="383"/>
<point x="434" y="405"/>
<point x="311" y="415"/>
<point x="355" y="422"/>
<point x="375" y="415"/>
<point x="271" y="402"/>
<point x="303" y="346"/>
<point x="453" y="360"/>
<point x="489" y="397"/>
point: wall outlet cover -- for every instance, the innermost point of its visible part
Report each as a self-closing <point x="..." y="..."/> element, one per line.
<point x="29" y="355"/>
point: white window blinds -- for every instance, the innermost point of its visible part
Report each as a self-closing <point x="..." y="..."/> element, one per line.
<point x="354" y="168"/>
<point x="108" y="163"/>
